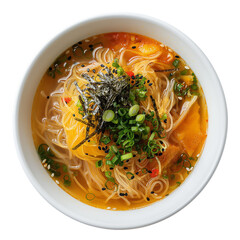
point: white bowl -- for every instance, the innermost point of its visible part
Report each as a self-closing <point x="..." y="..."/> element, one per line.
<point x="204" y="168"/>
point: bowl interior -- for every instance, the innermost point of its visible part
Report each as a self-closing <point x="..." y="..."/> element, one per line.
<point x="204" y="168"/>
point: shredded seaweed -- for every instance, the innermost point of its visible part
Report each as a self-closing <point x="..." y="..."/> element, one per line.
<point x="167" y="70"/>
<point x="98" y="96"/>
<point x="156" y="110"/>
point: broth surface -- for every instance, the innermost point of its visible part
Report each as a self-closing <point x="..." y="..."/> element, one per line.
<point x="185" y="140"/>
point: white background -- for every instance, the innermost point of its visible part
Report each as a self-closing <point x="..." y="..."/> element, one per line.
<point x="26" y="26"/>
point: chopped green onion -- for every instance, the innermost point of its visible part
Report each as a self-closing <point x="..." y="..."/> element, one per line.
<point x="115" y="158"/>
<point x="152" y="136"/>
<point x="147" y="130"/>
<point x="164" y="116"/>
<point x="120" y="71"/>
<point x="140" y="118"/>
<point x="142" y="129"/>
<point x="130" y="175"/>
<point x="108" y="162"/>
<point x="115" y="63"/>
<point x="115" y="121"/>
<point x="90" y="196"/>
<point x="108" y="174"/>
<point x="133" y="111"/>
<point x="67" y="181"/>
<point x="114" y="148"/>
<point x="145" y="137"/>
<point x="108" y="116"/>
<point x="111" y="185"/>
<point x="132" y="122"/>
<point x="78" y="104"/>
<point x="65" y="168"/>
<point x="176" y="63"/>
<point x="184" y="72"/>
<point x="194" y="86"/>
<point x="105" y="139"/>
<point x="134" y="129"/>
<point x="126" y="156"/>
<point x="122" y="111"/>
<point x="99" y="163"/>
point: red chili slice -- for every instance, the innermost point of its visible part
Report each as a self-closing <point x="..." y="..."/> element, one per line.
<point x="130" y="73"/>
<point x="154" y="173"/>
<point x="67" y="99"/>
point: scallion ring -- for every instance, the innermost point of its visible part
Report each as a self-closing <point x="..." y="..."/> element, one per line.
<point x="108" y="116"/>
<point x="90" y="196"/>
<point x="133" y="111"/>
<point x="130" y="175"/>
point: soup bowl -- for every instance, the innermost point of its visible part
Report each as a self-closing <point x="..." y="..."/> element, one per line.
<point x="205" y="166"/>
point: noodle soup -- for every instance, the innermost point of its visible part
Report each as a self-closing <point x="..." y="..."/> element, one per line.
<point x="119" y="121"/>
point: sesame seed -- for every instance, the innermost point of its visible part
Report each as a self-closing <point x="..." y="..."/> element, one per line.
<point x="150" y="84"/>
<point x="141" y="77"/>
<point x="125" y="168"/>
<point x="50" y="69"/>
<point x="121" y="194"/>
<point x="126" y="194"/>
<point x="149" y="171"/>
<point x="132" y="77"/>
<point x="88" y="140"/>
<point x="103" y="148"/>
<point x="132" y="177"/>
<point x="148" y="81"/>
<point x="114" y="208"/>
<point x="103" y="188"/>
<point x="160" y="154"/>
<point x="111" y="168"/>
<point x="132" y="81"/>
<point x="162" y="45"/>
<point x="133" y="47"/>
<point x="134" y="155"/>
<point x="102" y="65"/>
<point x="45" y="165"/>
<point x="152" y="192"/>
<point x="52" y="175"/>
<point x="86" y="153"/>
<point x="47" y="97"/>
<point x="90" y="45"/>
<point x="148" y="198"/>
<point x="108" y="208"/>
<point x="87" y="128"/>
<point x="94" y="70"/>
<point x="99" y="148"/>
<point x="177" y="56"/>
<point x="48" y="167"/>
<point x="161" y="142"/>
<point x="80" y="42"/>
<point x="88" y="70"/>
<point x="139" y="160"/>
<point x="107" y="151"/>
<point x="74" y="115"/>
<point x="127" y="160"/>
<point x="69" y="58"/>
<point x="163" y="150"/>
<point x="137" y="173"/>
<point x="165" y="120"/>
<point x="44" y="160"/>
<point x="57" y="182"/>
<point x="82" y="65"/>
